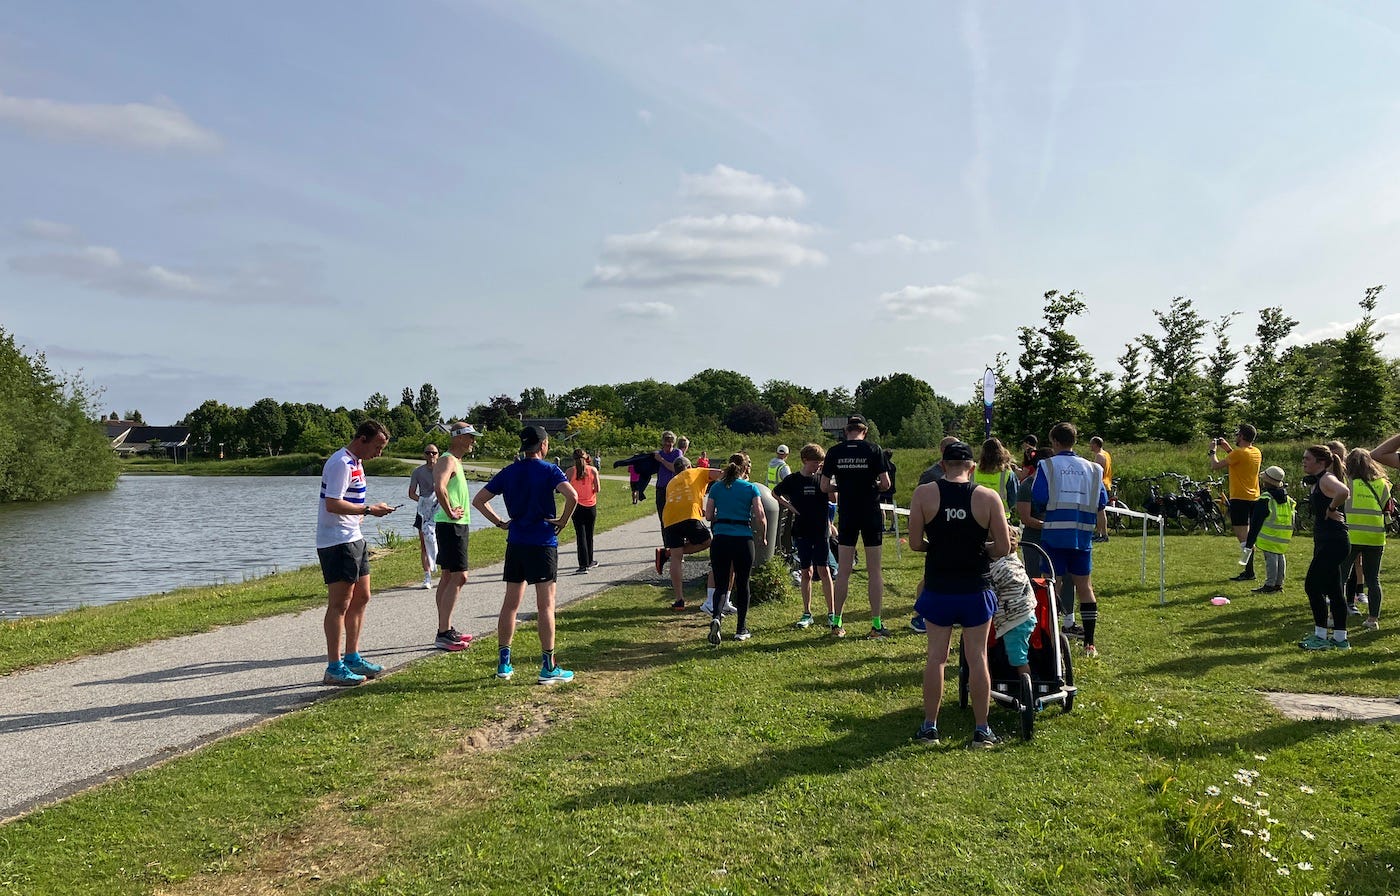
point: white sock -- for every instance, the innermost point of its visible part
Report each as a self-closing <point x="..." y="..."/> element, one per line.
<point x="1319" y="631"/>
<point x="1069" y="620"/>
<point x="1339" y="634"/>
<point x="709" y="594"/>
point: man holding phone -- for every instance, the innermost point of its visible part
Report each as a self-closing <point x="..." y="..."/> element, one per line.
<point x="344" y="554"/>
<point x="1243" y="463"/>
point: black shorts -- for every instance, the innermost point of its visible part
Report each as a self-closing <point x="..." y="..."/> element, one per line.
<point x="531" y="563"/>
<point x="678" y="535"/>
<point x="347" y="562"/>
<point x="864" y="523"/>
<point x="1241" y="512"/>
<point x="418" y="521"/>
<point x="452" y="546"/>
<point x="812" y="552"/>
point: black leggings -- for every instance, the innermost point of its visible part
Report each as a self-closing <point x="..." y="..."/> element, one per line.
<point x="584" y="520"/>
<point x="1324" y="581"/>
<point x="1370" y="555"/>
<point x="732" y="553"/>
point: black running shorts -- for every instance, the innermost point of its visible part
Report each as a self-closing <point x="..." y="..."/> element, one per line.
<point x="347" y="562"/>
<point x="861" y="523"/>
<point x="531" y="563"/>
<point x="452" y="546"/>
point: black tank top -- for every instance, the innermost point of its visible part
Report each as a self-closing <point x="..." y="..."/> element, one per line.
<point x="957" y="561"/>
<point x="1323" y="528"/>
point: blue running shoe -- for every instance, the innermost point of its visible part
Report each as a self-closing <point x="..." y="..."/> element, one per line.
<point x="928" y="734"/>
<point x="340" y="675"/>
<point x="918" y="625"/>
<point x="556" y="676"/>
<point x="504" y="670"/>
<point x="361" y="666"/>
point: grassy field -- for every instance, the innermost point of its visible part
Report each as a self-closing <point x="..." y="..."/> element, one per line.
<point x="782" y="765"/>
<point x="36" y="640"/>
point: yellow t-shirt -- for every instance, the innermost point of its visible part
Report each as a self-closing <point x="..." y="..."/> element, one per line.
<point x="685" y="496"/>
<point x="1107" y="468"/>
<point x="1244" y="473"/>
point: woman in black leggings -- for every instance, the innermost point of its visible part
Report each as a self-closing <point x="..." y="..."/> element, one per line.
<point x="733" y="506"/>
<point x="1330" y="549"/>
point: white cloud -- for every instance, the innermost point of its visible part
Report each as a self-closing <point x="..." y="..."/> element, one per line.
<point x="654" y="310"/>
<point x="644" y="115"/>
<point x="914" y="302"/>
<point x="734" y="249"/>
<point x="271" y="275"/>
<point x="131" y="125"/>
<point x="735" y="190"/>
<point x="900" y="243"/>
<point x="51" y="231"/>
<point x="1385" y="324"/>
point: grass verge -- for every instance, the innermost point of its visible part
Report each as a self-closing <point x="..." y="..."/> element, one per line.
<point x="781" y="765"/>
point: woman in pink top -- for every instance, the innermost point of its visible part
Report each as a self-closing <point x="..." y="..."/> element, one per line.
<point x="584" y="478"/>
<point x="636" y="478"/>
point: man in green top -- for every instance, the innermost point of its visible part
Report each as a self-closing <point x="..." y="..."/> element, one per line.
<point x="451" y="523"/>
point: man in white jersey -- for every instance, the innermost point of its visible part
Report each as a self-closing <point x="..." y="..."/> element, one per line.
<point x="344" y="554"/>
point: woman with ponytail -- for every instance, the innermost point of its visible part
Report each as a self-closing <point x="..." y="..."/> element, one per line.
<point x="584" y="478"/>
<point x="1331" y="548"/>
<point x="734" y="509"/>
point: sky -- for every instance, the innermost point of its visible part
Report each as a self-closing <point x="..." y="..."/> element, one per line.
<point x="316" y="201"/>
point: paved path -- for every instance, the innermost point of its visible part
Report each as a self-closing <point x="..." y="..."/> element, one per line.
<point x="69" y="726"/>
<point x="1373" y="710"/>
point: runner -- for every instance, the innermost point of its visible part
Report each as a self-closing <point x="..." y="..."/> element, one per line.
<point x="452" y="523"/>
<point x="734" y="508"/>
<point x="684" y="531"/>
<point x="801" y="496"/>
<point x="854" y="471"/>
<point x="420" y="491"/>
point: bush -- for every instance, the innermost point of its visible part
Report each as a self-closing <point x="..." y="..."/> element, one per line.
<point x="769" y="581"/>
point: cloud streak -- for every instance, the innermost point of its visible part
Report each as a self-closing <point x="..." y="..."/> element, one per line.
<point x="721" y="249"/>
<point x="144" y="126"/>
<point x="919" y="302"/>
<point x="734" y="190"/>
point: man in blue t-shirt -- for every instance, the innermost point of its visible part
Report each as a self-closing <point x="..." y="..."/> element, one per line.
<point x="532" y="544"/>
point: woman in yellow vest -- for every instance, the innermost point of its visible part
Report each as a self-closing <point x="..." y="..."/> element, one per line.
<point x="1370" y="492"/>
<point x="994" y="470"/>
<point x="1271" y="528"/>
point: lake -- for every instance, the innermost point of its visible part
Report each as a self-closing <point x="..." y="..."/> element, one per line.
<point x="158" y="533"/>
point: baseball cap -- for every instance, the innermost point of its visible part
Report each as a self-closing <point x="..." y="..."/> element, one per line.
<point x="1274" y="474"/>
<point x="958" y="451"/>
<point x="855" y="420"/>
<point x="782" y="449"/>
<point x="531" y="436"/>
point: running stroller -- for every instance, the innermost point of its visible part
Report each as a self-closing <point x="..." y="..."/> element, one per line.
<point x="1051" y="679"/>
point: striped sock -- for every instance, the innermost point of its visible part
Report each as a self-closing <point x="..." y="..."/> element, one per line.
<point x="1090" y="614"/>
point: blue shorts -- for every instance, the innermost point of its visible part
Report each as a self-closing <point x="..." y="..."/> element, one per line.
<point x="812" y="552"/>
<point x="1069" y="562"/>
<point x="1018" y="643"/>
<point x="948" y="610"/>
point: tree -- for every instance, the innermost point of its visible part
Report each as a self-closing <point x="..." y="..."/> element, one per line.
<point x="1221" y="407"/>
<point x="535" y="403"/>
<point x="924" y="427"/>
<point x="500" y="411"/>
<point x="427" y="408"/>
<point x="135" y="417"/>
<point x="1362" y="398"/>
<point x="751" y="418"/>
<point x="651" y="403"/>
<point x="893" y="398"/>
<point x="1265" y="389"/>
<point x="798" y="417"/>
<point x="265" y="425"/>
<point x="603" y="399"/>
<point x="403" y="422"/>
<point x="213" y="426"/>
<point x="377" y="405"/>
<point x="1174" y="393"/>
<point x="1130" y="400"/>
<point x="715" y="392"/>
<point x="1053" y="370"/>
<point x="781" y="395"/>
<point x="406" y="396"/>
<point x="590" y="423"/>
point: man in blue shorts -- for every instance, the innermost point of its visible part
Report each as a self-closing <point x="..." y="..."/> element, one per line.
<point x="1071" y="489"/>
<point x="532" y="544"/>
<point x="344" y="555"/>
<point x="950" y="521"/>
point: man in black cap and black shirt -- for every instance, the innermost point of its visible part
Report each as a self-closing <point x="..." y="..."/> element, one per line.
<point x="858" y="470"/>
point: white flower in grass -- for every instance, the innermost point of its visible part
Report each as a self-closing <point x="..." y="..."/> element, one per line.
<point x="1227" y="845"/>
<point x="1306" y="789"/>
<point x="1171" y="723"/>
<point x="1264" y="835"/>
<point x="1262" y="813"/>
<point x="1307" y="834"/>
<point x="1259" y="757"/>
<point x="1248" y="832"/>
<point x="1305" y="866"/>
<point x="1212" y="790"/>
<point x="1283" y="871"/>
<point x="1261" y="793"/>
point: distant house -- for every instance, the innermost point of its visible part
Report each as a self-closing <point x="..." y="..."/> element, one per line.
<point x="835" y="427"/>
<point x="128" y="439"/>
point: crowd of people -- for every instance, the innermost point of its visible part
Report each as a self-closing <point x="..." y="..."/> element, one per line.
<point x="960" y="518"/>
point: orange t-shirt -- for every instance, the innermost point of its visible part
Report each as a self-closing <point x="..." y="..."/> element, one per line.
<point x="1244" y="473"/>
<point x="587" y="487"/>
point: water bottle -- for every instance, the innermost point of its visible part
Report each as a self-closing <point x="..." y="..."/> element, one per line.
<point x="1245" y="553"/>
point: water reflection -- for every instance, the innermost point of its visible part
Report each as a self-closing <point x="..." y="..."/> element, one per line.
<point x="156" y="533"/>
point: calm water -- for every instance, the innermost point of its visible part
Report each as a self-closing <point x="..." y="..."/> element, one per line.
<point x="156" y="533"/>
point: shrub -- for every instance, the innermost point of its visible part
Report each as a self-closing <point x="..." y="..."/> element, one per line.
<point x="769" y="581"/>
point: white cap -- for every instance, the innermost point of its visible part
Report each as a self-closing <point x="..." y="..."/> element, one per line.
<point x="782" y="449"/>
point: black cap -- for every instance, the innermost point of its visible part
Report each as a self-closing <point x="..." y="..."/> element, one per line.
<point x="854" y="420"/>
<point x="531" y="436"/>
<point x="958" y="451"/>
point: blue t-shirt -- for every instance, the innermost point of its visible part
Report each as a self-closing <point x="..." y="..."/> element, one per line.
<point x="527" y="486"/>
<point x="734" y="503"/>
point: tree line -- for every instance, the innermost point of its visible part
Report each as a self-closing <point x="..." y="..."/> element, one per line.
<point x="50" y="443"/>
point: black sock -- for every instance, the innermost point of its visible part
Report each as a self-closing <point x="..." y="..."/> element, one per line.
<point x="548" y="661"/>
<point x="1089" y="614"/>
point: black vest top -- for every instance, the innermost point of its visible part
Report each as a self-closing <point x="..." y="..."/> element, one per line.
<point x="957" y="561"/>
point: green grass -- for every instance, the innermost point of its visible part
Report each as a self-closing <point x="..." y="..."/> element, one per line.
<point x="783" y="765"/>
<point x="36" y="640"/>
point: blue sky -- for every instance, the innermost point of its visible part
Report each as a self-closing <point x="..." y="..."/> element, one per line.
<point x="315" y="201"/>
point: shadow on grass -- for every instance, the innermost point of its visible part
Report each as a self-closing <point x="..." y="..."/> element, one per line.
<point x="865" y="740"/>
<point x="1366" y="873"/>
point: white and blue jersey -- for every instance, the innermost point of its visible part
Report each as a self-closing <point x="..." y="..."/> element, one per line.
<point x="343" y="477"/>
<point x="1071" y="488"/>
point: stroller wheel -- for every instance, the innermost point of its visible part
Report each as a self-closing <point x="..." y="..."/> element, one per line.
<point x="1068" y="672"/>
<point x="962" y="686"/>
<point x="1027" y="701"/>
